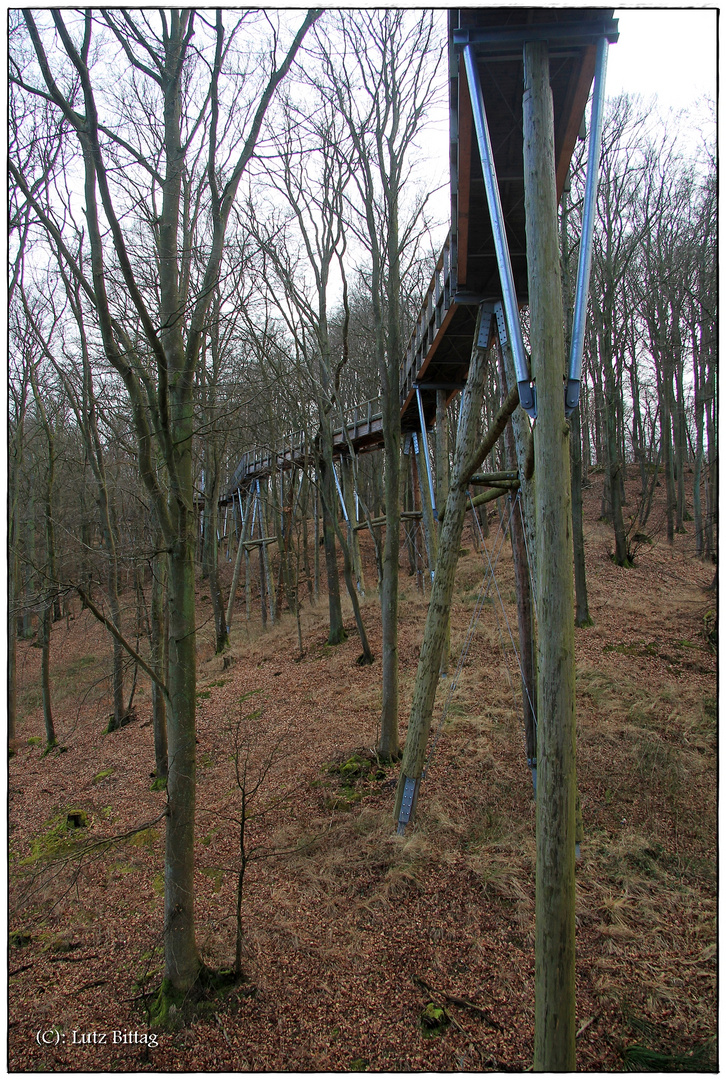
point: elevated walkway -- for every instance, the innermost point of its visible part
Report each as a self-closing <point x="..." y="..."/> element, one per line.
<point x="467" y="271"/>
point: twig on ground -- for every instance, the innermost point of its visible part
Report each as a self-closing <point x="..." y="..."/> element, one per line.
<point x="461" y="1002"/>
<point x="224" y="1032"/>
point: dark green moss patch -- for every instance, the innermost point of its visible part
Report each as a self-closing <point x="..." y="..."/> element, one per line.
<point x="434" y="1020"/>
<point x="172" y="1009"/>
<point x="58" y="836"/>
<point x="356" y="775"/>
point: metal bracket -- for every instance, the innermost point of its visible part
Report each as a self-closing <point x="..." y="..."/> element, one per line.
<point x="501" y="323"/>
<point x="485" y="325"/>
<point x="527" y="388"/>
<point x="569" y="35"/>
<point x="408" y="802"/>
<point x="532" y="762"/>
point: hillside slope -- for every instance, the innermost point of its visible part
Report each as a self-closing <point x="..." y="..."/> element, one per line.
<point x="349" y="930"/>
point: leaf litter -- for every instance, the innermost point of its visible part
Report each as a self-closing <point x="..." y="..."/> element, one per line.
<point x="350" y="932"/>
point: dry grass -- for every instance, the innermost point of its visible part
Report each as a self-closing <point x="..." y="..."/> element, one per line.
<point x="337" y="926"/>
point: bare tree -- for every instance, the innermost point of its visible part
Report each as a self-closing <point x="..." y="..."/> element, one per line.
<point x="382" y="81"/>
<point x="140" y="180"/>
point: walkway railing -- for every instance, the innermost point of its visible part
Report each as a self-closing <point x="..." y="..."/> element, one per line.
<point x="437" y="302"/>
<point x="363" y="424"/>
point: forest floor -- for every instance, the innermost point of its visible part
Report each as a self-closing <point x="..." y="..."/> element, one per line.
<point x="350" y="930"/>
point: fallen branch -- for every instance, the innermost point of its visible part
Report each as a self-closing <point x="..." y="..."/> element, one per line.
<point x="90" y="985"/>
<point x="586" y="1025"/>
<point x="224" y="1032"/>
<point x="115" y="632"/>
<point x="461" y="1002"/>
<point x="72" y="959"/>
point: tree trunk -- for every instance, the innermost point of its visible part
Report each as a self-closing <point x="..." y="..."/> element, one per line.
<point x="46" y="622"/>
<point x="159" y="655"/>
<point x="328" y="495"/>
<point x="388" y="744"/>
<point x="182" y="959"/>
<point x="26" y="632"/>
<point x="666" y="434"/>
<point x="698" y="462"/>
<point x="555" y="891"/>
<point x="679" y="440"/>
<point x="213" y="481"/>
<point x="614" y="464"/>
<point x="437" y="616"/>
<point x="304" y="503"/>
<point x="466" y="460"/>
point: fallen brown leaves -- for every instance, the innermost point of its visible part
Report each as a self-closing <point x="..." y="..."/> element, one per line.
<point x="352" y="930"/>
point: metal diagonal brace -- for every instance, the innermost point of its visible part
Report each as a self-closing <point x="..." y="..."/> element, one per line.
<point x="527" y="397"/>
<point x="425" y="442"/>
<point x="340" y="496"/>
<point x="572" y="391"/>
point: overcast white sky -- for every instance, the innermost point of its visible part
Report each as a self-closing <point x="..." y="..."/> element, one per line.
<point x="670" y="52"/>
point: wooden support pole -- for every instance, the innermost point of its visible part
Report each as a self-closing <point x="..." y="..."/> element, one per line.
<point x="437" y="616"/>
<point x="490" y="496"/>
<point x="505" y="478"/>
<point x="442" y="490"/>
<point x="266" y="525"/>
<point x="466" y="460"/>
<point x="248" y="566"/>
<point x="554" y="1049"/>
<point x="442" y="450"/>
<point x="416" y="495"/>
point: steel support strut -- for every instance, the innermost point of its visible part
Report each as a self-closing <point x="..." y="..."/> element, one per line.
<point x="340" y="496"/>
<point x="572" y="392"/>
<point x="526" y="387"/>
<point x="425" y="442"/>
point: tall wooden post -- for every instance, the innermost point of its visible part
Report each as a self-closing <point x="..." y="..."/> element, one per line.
<point x="555" y="898"/>
<point x="442" y="491"/>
